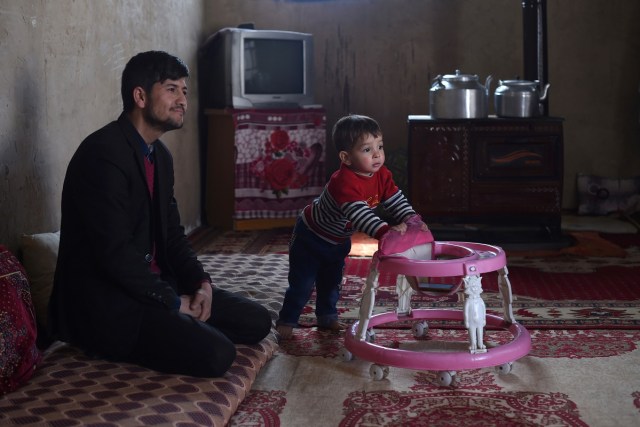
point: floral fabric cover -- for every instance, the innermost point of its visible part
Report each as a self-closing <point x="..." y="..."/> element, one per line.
<point x="280" y="161"/>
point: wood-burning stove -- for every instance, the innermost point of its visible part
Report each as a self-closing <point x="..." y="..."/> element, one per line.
<point x="495" y="171"/>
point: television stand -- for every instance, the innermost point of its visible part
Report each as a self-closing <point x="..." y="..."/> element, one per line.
<point x="263" y="165"/>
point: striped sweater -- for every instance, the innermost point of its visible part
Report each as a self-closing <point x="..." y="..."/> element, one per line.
<point x="347" y="205"/>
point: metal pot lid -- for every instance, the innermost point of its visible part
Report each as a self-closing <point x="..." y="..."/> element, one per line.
<point x="459" y="77"/>
<point x="518" y="83"/>
<point x="517" y="87"/>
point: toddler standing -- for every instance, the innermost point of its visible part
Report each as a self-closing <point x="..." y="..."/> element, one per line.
<point x="321" y="238"/>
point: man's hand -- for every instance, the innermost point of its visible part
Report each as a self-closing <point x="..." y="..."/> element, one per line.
<point x="201" y="301"/>
<point x="198" y="305"/>
<point x="185" y="306"/>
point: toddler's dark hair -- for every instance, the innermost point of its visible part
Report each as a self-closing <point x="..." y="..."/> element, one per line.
<point x="350" y="129"/>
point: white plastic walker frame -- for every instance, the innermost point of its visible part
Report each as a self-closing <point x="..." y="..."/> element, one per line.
<point x="463" y="259"/>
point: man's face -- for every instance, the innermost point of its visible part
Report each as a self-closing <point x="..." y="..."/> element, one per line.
<point x="167" y="105"/>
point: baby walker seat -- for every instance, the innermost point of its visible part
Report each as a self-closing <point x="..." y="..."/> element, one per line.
<point x="416" y="254"/>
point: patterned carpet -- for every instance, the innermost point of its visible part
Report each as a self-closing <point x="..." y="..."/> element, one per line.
<point x="570" y="378"/>
<point x="256" y="242"/>
<point x="581" y="370"/>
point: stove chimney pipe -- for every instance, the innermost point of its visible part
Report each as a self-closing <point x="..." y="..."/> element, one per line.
<point x="534" y="30"/>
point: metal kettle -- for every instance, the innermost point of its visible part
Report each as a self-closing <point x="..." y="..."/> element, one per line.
<point x="519" y="98"/>
<point x="459" y="96"/>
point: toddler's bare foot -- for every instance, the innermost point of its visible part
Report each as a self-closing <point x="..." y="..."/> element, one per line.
<point x="334" y="326"/>
<point x="284" y="331"/>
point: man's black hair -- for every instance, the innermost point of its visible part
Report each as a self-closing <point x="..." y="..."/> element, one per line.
<point x="147" y="68"/>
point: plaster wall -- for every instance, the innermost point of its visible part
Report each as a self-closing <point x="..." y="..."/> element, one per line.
<point x="60" y="68"/>
<point x="378" y="57"/>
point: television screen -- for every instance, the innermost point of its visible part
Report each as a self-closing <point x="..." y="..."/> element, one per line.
<point x="245" y="68"/>
<point x="273" y="66"/>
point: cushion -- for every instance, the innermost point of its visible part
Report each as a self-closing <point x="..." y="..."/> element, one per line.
<point x="39" y="256"/>
<point x="601" y="196"/>
<point x="18" y="333"/>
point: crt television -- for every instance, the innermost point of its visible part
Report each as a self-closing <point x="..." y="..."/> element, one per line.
<point x="248" y="68"/>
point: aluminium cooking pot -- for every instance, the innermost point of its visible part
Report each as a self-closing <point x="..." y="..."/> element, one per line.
<point x="459" y="96"/>
<point x="519" y="98"/>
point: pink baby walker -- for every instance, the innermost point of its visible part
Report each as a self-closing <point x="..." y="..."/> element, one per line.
<point x="415" y="254"/>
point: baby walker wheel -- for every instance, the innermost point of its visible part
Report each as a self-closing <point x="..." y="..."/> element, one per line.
<point x="505" y="368"/>
<point x="420" y="329"/>
<point x="378" y="372"/>
<point x="345" y="354"/>
<point x="446" y="378"/>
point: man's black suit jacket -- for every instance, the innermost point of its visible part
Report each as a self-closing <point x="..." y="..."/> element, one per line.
<point x="109" y="226"/>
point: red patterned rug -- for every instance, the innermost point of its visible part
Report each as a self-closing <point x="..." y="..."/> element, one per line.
<point x="570" y="378"/>
<point x="581" y="370"/>
<point x="581" y="307"/>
